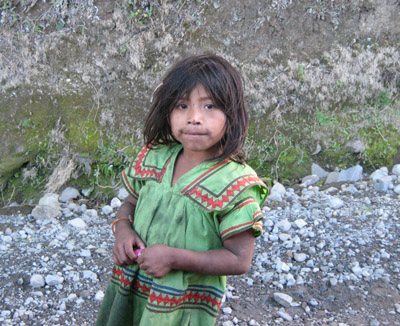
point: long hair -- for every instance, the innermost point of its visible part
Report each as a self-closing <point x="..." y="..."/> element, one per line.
<point x="224" y="85"/>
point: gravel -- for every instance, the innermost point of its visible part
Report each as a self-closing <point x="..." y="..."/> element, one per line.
<point x="329" y="256"/>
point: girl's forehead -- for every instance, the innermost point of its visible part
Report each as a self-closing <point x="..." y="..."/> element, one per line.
<point x="198" y="90"/>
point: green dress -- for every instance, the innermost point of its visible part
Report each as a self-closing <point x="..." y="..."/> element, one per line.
<point x="205" y="206"/>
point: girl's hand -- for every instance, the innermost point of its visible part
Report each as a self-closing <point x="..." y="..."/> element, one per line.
<point x="156" y="260"/>
<point x="125" y="241"/>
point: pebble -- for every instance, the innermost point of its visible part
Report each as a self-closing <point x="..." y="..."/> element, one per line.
<point x="107" y="210"/>
<point x="283" y="299"/>
<point x="77" y="223"/>
<point x="227" y="310"/>
<point x="115" y="203"/>
<point x="68" y="194"/>
<point x="37" y="281"/>
<point x="54" y="280"/>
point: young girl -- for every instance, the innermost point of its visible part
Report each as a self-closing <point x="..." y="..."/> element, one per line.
<point x="194" y="206"/>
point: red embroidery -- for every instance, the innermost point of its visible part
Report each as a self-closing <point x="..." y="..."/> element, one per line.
<point x="212" y="201"/>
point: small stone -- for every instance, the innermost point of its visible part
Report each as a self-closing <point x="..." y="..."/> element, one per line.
<point x="37" y="281"/>
<point x="300" y="223"/>
<point x="45" y="212"/>
<point x="310" y="180"/>
<point x="352" y="174"/>
<point x="374" y="322"/>
<point x="227" y="323"/>
<point x="49" y="200"/>
<point x="85" y="253"/>
<point x="284" y="225"/>
<point x="396" y="169"/>
<point x="313" y="302"/>
<point x="115" y="203"/>
<point x="283" y="299"/>
<point x="227" y="310"/>
<point x="78" y="223"/>
<point x="278" y="188"/>
<point x="90" y="275"/>
<point x="122" y="193"/>
<point x="107" y="210"/>
<point x="317" y="170"/>
<point x="355" y="145"/>
<point x="85" y="294"/>
<point x="68" y="194"/>
<point x="300" y="257"/>
<point x="333" y="281"/>
<point x="54" y="280"/>
<point x="91" y="213"/>
<point x="378" y="174"/>
<point x="332" y="177"/>
<point x="284" y="315"/>
<point x="336" y="203"/>
<point x="99" y="296"/>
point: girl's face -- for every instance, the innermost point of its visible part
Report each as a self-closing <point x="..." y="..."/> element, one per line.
<point x="198" y="124"/>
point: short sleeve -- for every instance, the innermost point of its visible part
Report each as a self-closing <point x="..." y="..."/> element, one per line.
<point x="132" y="185"/>
<point x="244" y="214"/>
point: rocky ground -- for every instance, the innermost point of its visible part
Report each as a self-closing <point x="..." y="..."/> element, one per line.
<point x="329" y="256"/>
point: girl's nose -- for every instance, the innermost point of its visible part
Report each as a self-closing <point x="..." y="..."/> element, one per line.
<point x="194" y="116"/>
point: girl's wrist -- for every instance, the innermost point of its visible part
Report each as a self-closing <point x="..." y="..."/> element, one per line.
<point x="120" y="223"/>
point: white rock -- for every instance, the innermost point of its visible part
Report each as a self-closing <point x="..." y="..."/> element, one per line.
<point x="300" y="223"/>
<point x="352" y="174"/>
<point x="332" y="177"/>
<point x="77" y="223"/>
<point x="313" y="302"/>
<point x="99" y="296"/>
<point x="275" y="197"/>
<point x="283" y="299"/>
<point x="300" y="257"/>
<point x="317" y="170"/>
<point x="284" y="225"/>
<point x="91" y="213"/>
<point x="282" y="266"/>
<point x="85" y="253"/>
<point x="336" y="203"/>
<point x="310" y="180"/>
<point x="37" y="281"/>
<point x="122" y="193"/>
<point x="397" y="189"/>
<point x="278" y="188"/>
<point x="284" y="315"/>
<point x="396" y="169"/>
<point x="378" y="174"/>
<point x="90" y="275"/>
<point x="227" y="323"/>
<point x="107" y="210"/>
<point x="227" y="310"/>
<point x="355" y="145"/>
<point x="45" y="212"/>
<point x="68" y="194"/>
<point x="115" y="203"/>
<point x="49" y="200"/>
<point x="54" y="279"/>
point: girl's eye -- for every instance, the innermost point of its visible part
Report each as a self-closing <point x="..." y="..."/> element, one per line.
<point x="182" y="106"/>
<point x="209" y="106"/>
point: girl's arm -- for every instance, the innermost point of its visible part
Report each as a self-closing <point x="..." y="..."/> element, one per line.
<point x="234" y="258"/>
<point x="125" y="238"/>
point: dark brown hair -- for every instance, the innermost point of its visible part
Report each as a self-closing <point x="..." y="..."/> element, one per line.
<point x="224" y="85"/>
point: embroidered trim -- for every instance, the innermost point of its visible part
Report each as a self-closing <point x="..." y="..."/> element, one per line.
<point x="163" y="299"/>
<point x="142" y="171"/>
<point x="211" y="201"/>
<point x="255" y="224"/>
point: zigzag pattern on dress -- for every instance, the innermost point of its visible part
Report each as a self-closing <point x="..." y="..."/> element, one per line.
<point x="140" y="170"/>
<point x="167" y="299"/>
<point x="211" y="201"/>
